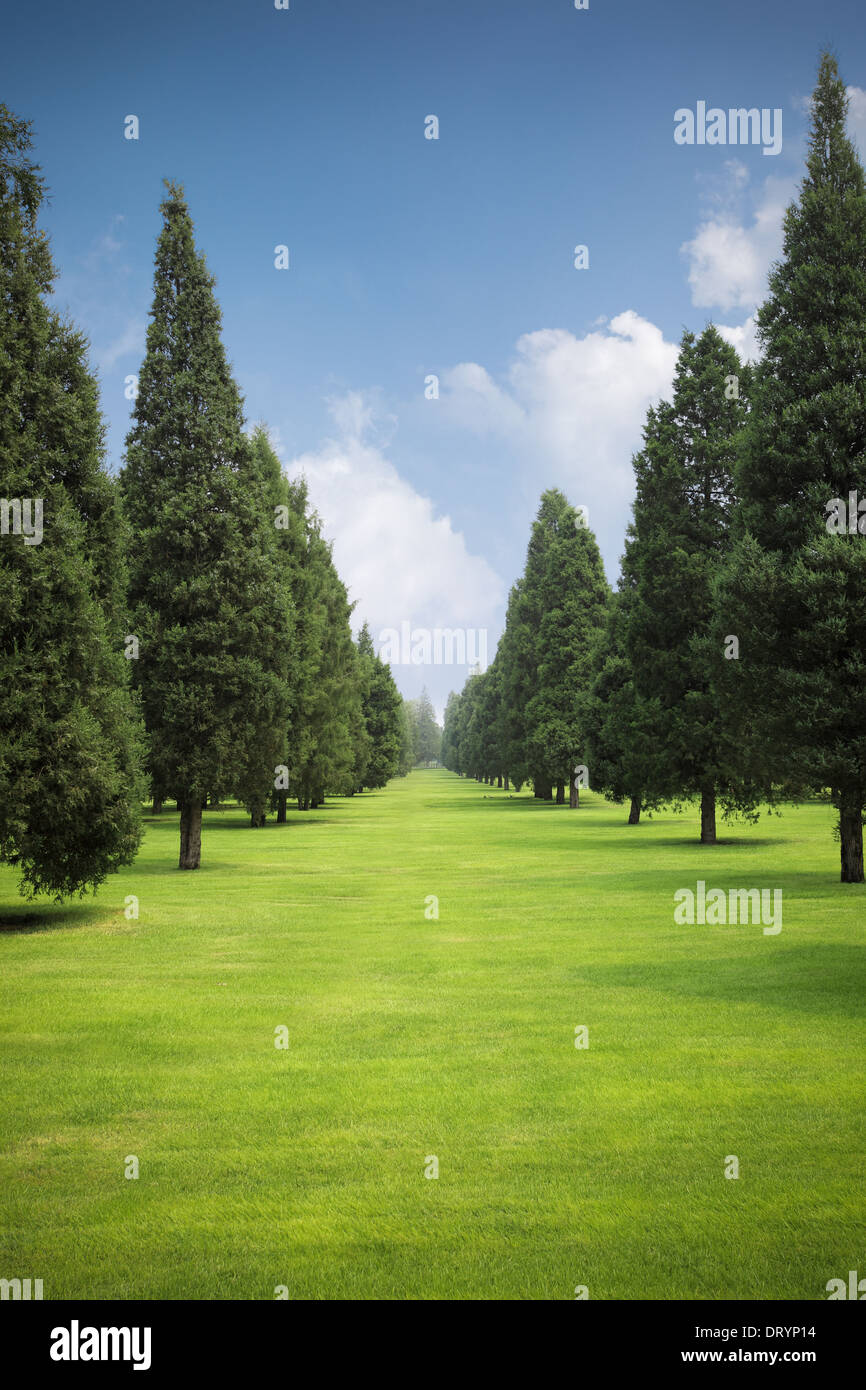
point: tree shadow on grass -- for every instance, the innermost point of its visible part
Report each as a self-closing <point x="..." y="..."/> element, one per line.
<point x="32" y="917"/>
<point x="694" y="842"/>
<point x="823" y="978"/>
<point x="505" y="801"/>
<point x="243" y="823"/>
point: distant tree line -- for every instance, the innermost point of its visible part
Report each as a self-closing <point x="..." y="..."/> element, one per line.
<point x="730" y="665"/>
<point x="425" y="733"/>
<point x="180" y="631"/>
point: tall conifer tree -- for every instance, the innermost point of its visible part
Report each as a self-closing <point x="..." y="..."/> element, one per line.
<point x="70" y="740"/>
<point x="382" y="705"/>
<point x="262" y="476"/>
<point x="207" y="605"/>
<point x="675" y="550"/>
<point x="560" y="606"/>
<point x="795" y="591"/>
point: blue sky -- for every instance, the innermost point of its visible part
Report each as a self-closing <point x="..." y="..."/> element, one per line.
<point x="410" y="257"/>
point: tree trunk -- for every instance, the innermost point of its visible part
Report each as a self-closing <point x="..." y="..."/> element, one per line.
<point x="157" y="805"/>
<point x="257" y="817"/>
<point x="499" y="780"/>
<point x="281" y="808"/>
<point x="634" y="811"/>
<point x="190" y="834"/>
<point x="560" y="793"/>
<point x="507" y="787"/>
<point x="851" y="838"/>
<point x="573" y="795"/>
<point x="708" y="816"/>
<point x="543" y="789"/>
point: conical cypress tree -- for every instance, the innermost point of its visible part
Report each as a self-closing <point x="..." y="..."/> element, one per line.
<point x="795" y="591"/>
<point x="207" y="605"/>
<point x="451" y="732"/>
<point x="381" y="703"/>
<point x="560" y="606"/>
<point x="514" y="653"/>
<point x="69" y="736"/>
<point x="622" y="735"/>
<point x="428" y="735"/>
<point x="327" y="727"/>
<point x="676" y="547"/>
<point x="261" y="782"/>
<point x="407" y="744"/>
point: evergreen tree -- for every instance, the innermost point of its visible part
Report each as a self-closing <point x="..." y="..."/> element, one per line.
<point x="795" y="590"/>
<point x="207" y="604"/>
<point x="560" y="607"/>
<point x="407" y="740"/>
<point x="490" y="713"/>
<point x="302" y="558"/>
<point x="362" y="741"/>
<point x="450" y="732"/>
<point x="676" y="547"/>
<point x="262" y="478"/>
<point x="70" y="740"/>
<point x="428" y="735"/>
<point x="515" y="657"/>
<point x="621" y="735"/>
<point x="382" y="705"/>
<point x="326" y="751"/>
<point x="472" y="741"/>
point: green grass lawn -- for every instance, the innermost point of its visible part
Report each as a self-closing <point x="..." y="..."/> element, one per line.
<point x="454" y="1037"/>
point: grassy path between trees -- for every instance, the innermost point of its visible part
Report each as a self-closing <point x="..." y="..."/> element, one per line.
<point x="411" y="1038"/>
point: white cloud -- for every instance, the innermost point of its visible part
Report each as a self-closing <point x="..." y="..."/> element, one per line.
<point x="857" y="118"/>
<point x="399" y="559"/>
<point x="572" y="411"/>
<point x="731" y="253"/>
<point x="476" y="403"/>
<point x="743" y="337"/>
<point x="734" y="247"/>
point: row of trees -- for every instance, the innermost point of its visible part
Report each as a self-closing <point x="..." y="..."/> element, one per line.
<point x="426" y="734"/>
<point x="519" y="720"/>
<point x="730" y="664"/>
<point x="202" y="565"/>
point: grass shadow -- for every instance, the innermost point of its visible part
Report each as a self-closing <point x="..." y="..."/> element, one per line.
<point x="823" y="978"/>
<point x="51" y="917"/>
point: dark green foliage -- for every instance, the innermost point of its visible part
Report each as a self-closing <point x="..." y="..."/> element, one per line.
<point x="328" y="746"/>
<point x="556" y="612"/>
<point x="794" y="593"/>
<point x="426" y="733"/>
<point x="262" y="477"/>
<point x="382" y="710"/>
<point x="407" y="740"/>
<point x="449" y="751"/>
<point x="70" y="739"/>
<point x="520" y="718"/>
<point x="207" y="603"/>
<point x="621" y="730"/>
<point x="679" y="540"/>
